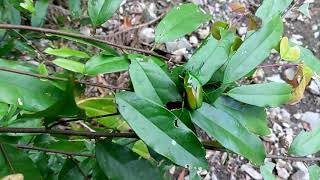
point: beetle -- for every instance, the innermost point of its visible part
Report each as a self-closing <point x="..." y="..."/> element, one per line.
<point x="194" y="91"/>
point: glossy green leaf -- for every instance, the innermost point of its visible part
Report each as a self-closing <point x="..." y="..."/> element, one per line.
<point x="70" y="65"/>
<point x="254" y="50"/>
<point x="100" y="45"/>
<point x="170" y="137"/>
<point x="42" y="69"/>
<point x="266" y="171"/>
<point x="229" y="132"/>
<point x="171" y="27"/>
<point x="28" y="5"/>
<point x="76" y="146"/>
<point x="268" y="94"/>
<point x="140" y="57"/>
<point x="119" y="162"/>
<point x="74" y="7"/>
<point x="70" y="171"/>
<point x="16" y="89"/>
<point x="152" y="82"/>
<point x="310" y="59"/>
<point x="251" y="117"/>
<point x="193" y="90"/>
<point x="101" y="64"/>
<point x="211" y="55"/>
<point x="304" y="9"/>
<point x="66" y="52"/>
<point x="141" y="148"/>
<point x="305" y="143"/>
<point x="314" y="172"/>
<point x="39" y="16"/>
<point x="102" y="10"/>
<point x="13" y="161"/>
<point x="270" y="8"/>
<point x="98" y="106"/>
<point x="3" y="110"/>
<point x="217" y="27"/>
<point x="9" y="13"/>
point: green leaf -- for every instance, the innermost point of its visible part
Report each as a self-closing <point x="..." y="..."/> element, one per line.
<point x="70" y="65"/>
<point x="70" y="171"/>
<point x="251" y="117"/>
<point x="28" y="93"/>
<point x="98" y="106"/>
<point x="151" y="82"/>
<point x="229" y="132"/>
<point x="314" y="172"/>
<point x="266" y="171"/>
<point x="268" y="94"/>
<point x="39" y="16"/>
<point x="102" y="10"/>
<point x="119" y="162"/>
<point x="310" y="59"/>
<point x="101" y="64"/>
<point x="289" y="53"/>
<point x="28" y="5"/>
<point x="211" y="55"/>
<point x="306" y="143"/>
<point x="304" y="9"/>
<point x="254" y="50"/>
<point x="100" y="45"/>
<point x="270" y="8"/>
<point x="171" y="27"/>
<point x="13" y="160"/>
<point x="66" y="52"/>
<point x="74" y="8"/>
<point x="77" y="146"/>
<point x="141" y="148"/>
<point x="42" y="69"/>
<point x="161" y="130"/>
<point x="4" y="108"/>
<point x="9" y="13"/>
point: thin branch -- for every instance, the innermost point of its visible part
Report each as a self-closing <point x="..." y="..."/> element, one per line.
<point x="52" y="77"/>
<point x="78" y="119"/>
<point x="4" y="153"/>
<point x="278" y="65"/>
<point x="33" y="148"/>
<point x="92" y="135"/>
<point x="135" y="27"/>
<point x="52" y="31"/>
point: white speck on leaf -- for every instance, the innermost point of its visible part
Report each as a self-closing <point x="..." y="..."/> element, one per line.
<point x="20" y="102"/>
<point x="173" y="142"/>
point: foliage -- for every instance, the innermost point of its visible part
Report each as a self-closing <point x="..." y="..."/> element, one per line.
<point x="141" y="132"/>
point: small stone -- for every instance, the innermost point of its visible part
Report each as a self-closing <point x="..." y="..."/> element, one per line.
<point x="297" y="115"/>
<point x="314" y="27"/>
<point x="147" y="35"/>
<point x="213" y="176"/>
<point x="282" y="172"/>
<point x="199" y="2"/>
<point x="242" y="31"/>
<point x="203" y="172"/>
<point x="252" y="172"/>
<point x="289" y="73"/>
<point x="300" y="175"/>
<point x="151" y="12"/>
<point x="194" y="40"/>
<point x="179" y="44"/>
<point x="277" y="128"/>
<point x="300" y="166"/>
<point x="286" y="116"/>
<point x="312" y="118"/>
<point x="314" y="87"/>
<point x="85" y="30"/>
<point x="275" y="78"/>
<point x="316" y="34"/>
<point x="203" y="33"/>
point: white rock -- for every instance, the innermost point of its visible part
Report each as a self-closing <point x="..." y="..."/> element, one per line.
<point x="194" y="40"/>
<point x="199" y="2"/>
<point x="151" y="11"/>
<point x="282" y="172"/>
<point x="312" y="118"/>
<point x="277" y="128"/>
<point x="289" y="73"/>
<point x="213" y="176"/>
<point x="252" y="172"/>
<point x="275" y="78"/>
<point x="147" y="35"/>
<point x="314" y="27"/>
<point x="203" y="33"/>
<point x="316" y="34"/>
<point x="286" y="116"/>
<point x="85" y="30"/>
<point x="300" y="166"/>
<point x="300" y="175"/>
<point x="314" y="87"/>
<point x="179" y="44"/>
<point x="297" y="115"/>
<point x="242" y="31"/>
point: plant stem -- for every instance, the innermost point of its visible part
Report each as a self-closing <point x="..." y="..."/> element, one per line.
<point x="33" y="148"/>
<point x="52" y="31"/>
<point x="92" y="135"/>
<point x="53" y="78"/>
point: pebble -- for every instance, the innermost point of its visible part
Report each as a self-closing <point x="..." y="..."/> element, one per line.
<point x="312" y="118"/>
<point x="286" y="116"/>
<point x="194" y="40"/>
<point x="183" y="43"/>
<point x="300" y="175"/>
<point x="151" y="11"/>
<point x="147" y="35"/>
<point x="316" y="34"/>
<point x="282" y="172"/>
<point x="275" y="78"/>
<point x="270" y="138"/>
<point x="242" y="31"/>
<point x="203" y="33"/>
<point x="300" y="166"/>
<point x="252" y="172"/>
<point x="85" y="30"/>
<point x="314" y="87"/>
<point x="289" y="73"/>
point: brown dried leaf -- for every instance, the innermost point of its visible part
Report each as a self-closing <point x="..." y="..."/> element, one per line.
<point x="238" y="7"/>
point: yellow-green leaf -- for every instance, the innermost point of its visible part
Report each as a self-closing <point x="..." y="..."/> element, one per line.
<point x="289" y="53"/>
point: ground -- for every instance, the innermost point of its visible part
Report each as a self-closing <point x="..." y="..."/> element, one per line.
<point x="286" y="122"/>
